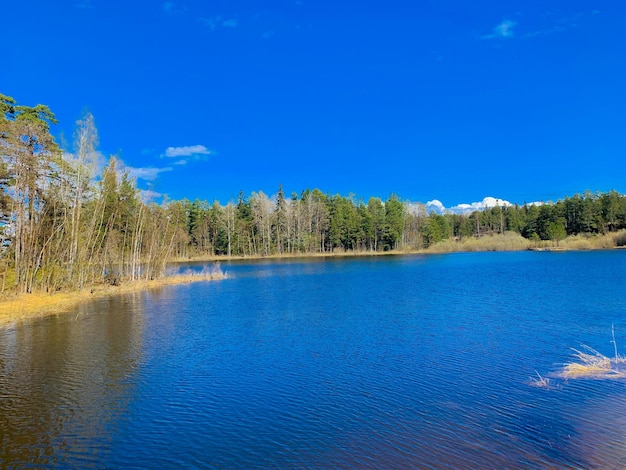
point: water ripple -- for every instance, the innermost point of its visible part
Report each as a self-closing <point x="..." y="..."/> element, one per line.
<point x="395" y="363"/>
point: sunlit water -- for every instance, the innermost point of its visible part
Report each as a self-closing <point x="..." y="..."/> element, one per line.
<point x="393" y="362"/>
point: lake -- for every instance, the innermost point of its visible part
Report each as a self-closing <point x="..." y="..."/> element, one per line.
<point x="375" y="362"/>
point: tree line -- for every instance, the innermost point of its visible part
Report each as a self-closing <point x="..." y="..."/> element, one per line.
<point x="66" y="224"/>
<point x="314" y="222"/>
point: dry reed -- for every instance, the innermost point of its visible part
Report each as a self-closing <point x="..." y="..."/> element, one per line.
<point x="40" y="304"/>
<point x="594" y="365"/>
<point x="509" y="241"/>
<point x="540" y="381"/>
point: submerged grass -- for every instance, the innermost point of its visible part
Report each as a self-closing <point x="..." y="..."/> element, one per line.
<point x="40" y="304"/>
<point x="539" y="381"/>
<point x="588" y="364"/>
<point x="592" y="364"/>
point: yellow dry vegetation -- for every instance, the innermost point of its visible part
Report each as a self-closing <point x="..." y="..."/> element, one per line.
<point x="594" y="365"/>
<point x="513" y="241"/>
<point x="40" y="304"/>
<point x="338" y="253"/>
<point x="508" y="241"/>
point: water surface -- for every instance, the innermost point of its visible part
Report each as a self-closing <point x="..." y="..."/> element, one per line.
<point x="394" y="362"/>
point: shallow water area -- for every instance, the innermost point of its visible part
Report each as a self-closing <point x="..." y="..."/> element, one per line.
<point x="394" y="362"/>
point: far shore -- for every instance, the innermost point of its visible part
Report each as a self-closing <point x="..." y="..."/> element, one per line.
<point x="509" y="241"/>
<point x="334" y="254"/>
<point x="19" y="307"/>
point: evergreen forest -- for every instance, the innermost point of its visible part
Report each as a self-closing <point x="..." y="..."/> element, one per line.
<point x="68" y="223"/>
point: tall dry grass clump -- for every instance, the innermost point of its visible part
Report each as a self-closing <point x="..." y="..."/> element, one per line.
<point x="508" y="241"/>
<point x="513" y="241"/>
<point x="594" y="365"/>
<point x="620" y="238"/>
<point x="591" y="242"/>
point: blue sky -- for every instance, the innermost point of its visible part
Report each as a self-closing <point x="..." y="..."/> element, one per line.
<point x="448" y="100"/>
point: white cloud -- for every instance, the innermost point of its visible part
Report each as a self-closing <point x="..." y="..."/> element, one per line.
<point x="502" y="31"/>
<point x="435" y="206"/>
<point x="187" y="151"/>
<point x="145" y="173"/>
<point x="488" y="202"/>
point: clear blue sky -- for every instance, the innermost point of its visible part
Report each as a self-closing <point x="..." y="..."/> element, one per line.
<point x="442" y="99"/>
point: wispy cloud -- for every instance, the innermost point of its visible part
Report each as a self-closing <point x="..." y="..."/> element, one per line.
<point x="503" y="30"/>
<point x="149" y="173"/>
<point x="146" y="173"/>
<point x="186" y="151"/>
<point x="213" y="22"/>
<point x="560" y="25"/>
<point x="172" y="8"/>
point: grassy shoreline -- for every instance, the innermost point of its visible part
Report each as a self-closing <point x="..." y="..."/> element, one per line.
<point x="14" y="308"/>
<point x="20" y="307"/>
<point x="509" y="241"/>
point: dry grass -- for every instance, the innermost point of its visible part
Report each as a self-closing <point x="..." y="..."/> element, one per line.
<point x="620" y="238"/>
<point x="590" y="242"/>
<point x="539" y="381"/>
<point x="509" y="241"/>
<point x="40" y="304"/>
<point x="512" y="241"/>
<point x="594" y="365"/>
<point x="335" y="254"/>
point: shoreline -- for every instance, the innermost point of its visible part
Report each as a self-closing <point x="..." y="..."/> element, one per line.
<point x="22" y="307"/>
<point x="496" y="242"/>
<point x="348" y="254"/>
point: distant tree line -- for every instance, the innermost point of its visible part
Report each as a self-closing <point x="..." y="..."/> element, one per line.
<point x="314" y="222"/>
<point x="65" y="223"/>
<point x="589" y="213"/>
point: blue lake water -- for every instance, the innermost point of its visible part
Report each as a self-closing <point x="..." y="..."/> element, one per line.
<point x="382" y="362"/>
